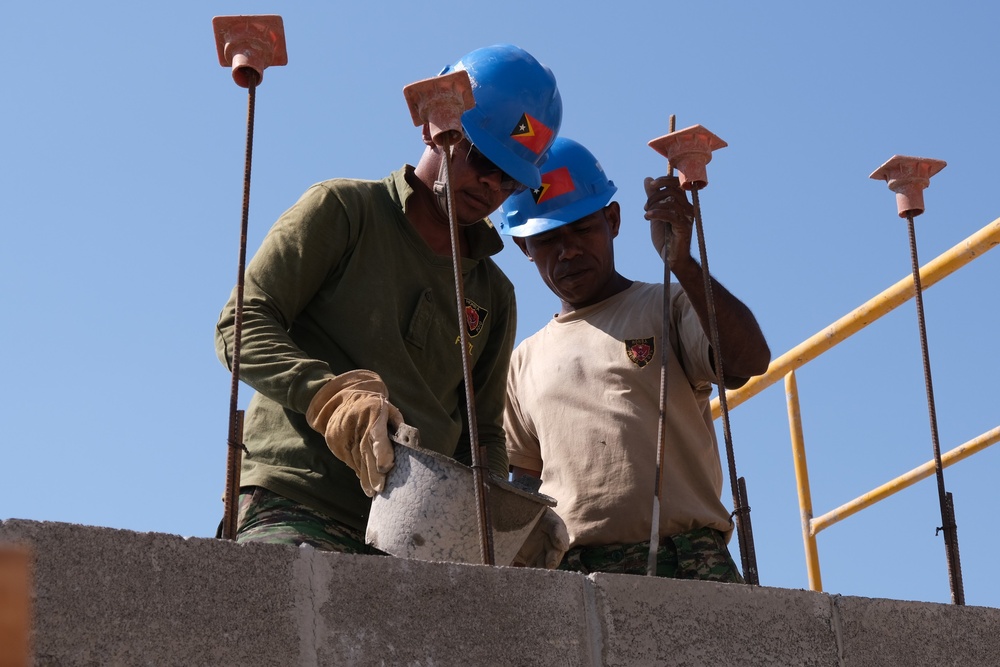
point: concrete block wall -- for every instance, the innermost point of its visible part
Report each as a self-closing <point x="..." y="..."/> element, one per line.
<point x="113" y="597"/>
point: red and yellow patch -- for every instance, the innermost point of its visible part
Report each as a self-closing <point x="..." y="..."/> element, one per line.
<point x="475" y="317"/>
<point x="640" y="350"/>
<point x="532" y="134"/>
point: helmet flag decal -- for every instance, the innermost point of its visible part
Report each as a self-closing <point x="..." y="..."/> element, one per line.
<point x="532" y="134"/>
<point x="554" y="183"/>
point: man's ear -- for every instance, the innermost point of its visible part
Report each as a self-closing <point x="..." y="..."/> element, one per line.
<point x="523" y="246"/>
<point x="613" y="214"/>
<point x="427" y="135"/>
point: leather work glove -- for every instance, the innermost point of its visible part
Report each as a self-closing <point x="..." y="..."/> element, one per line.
<point x="353" y="413"/>
<point x="547" y="543"/>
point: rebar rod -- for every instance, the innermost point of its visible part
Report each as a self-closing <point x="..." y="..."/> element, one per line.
<point x="944" y="498"/>
<point x="661" y="447"/>
<point x="741" y="509"/>
<point x="480" y="471"/>
<point x="235" y="436"/>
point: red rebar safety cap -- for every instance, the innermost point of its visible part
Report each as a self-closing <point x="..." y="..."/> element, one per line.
<point x="440" y="102"/>
<point x="250" y="44"/>
<point x="689" y="150"/>
<point x="907" y="176"/>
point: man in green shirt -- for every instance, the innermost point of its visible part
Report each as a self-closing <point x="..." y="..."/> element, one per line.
<point x="349" y="317"/>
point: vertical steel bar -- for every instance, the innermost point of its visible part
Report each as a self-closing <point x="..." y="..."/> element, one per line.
<point x="661" y="445"/>
<point x="741" y="509"/>
<point x="480" y="469"/>
<point x="802" y="481"/>
<point x="947" y="518"/>
<point x="235" y="436"/>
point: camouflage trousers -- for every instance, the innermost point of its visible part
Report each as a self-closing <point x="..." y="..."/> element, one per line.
<point x="698" y="554"/>
<point x="267" y="517"/>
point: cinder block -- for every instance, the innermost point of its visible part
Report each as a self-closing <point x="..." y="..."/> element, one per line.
<point x="648" y="621"/>
<point x="393" y="611"/>
<point x="116" y="597"/>
<point x="891" y="632"/>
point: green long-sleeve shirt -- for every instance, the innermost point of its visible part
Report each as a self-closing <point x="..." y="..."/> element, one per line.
<point x="343" y="281"/>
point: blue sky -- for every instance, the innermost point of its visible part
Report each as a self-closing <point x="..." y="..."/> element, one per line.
<point x="121" y="153"/>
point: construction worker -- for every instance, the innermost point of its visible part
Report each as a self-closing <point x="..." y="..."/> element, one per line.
<point x="583" y="393"/>
<point x="349" y="321"/>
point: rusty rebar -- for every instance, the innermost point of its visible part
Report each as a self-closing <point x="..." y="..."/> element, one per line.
<point x="234" y="438"/>
<point x="944" y="498"/>
<point x="480" y="471"/>
<point x="741" y="509"/>
<point x="661" y="427"/>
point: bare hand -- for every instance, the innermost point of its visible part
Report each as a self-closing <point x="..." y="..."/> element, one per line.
<point x="670" y="216"/>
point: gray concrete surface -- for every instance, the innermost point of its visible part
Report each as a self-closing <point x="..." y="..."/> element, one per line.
<point x="113" y="597"/>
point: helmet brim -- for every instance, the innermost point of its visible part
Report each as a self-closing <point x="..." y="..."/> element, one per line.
<point x="566" y="215"/>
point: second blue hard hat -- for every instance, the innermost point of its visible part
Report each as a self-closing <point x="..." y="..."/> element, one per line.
<point x="573" y="186"/>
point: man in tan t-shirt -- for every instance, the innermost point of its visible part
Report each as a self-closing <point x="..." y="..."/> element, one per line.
<point x="583" y="394"/>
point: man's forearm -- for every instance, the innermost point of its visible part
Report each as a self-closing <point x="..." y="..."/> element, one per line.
<point x="745" y="352"/>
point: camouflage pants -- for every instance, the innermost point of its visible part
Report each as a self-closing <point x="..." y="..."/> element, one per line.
<point x="267" y="517"/>
<point x="698" y="554"/>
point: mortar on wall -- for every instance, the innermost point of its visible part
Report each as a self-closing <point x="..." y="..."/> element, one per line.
<point x="427" y="511"/>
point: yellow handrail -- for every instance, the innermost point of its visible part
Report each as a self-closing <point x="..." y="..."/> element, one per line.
<point x="784" y="367"/>
<point x="802" y="482"/>
<point x="940" y="267"/>
<point x="889" y="488"/>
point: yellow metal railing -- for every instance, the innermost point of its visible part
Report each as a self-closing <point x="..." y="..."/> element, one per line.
<point x="784" y="368"/>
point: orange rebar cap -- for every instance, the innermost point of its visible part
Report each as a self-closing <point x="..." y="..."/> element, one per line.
<point x="440" y="102"/>
<point x="688" y="151"/>
<point x="250" y="44"/>
<point x="907" y="177"/>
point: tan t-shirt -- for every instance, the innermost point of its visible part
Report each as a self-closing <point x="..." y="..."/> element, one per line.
<point x="582" y="407"/>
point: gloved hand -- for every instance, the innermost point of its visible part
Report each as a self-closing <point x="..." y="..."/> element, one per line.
<point x="547" y="543"/>
<point x="353" y="413"/>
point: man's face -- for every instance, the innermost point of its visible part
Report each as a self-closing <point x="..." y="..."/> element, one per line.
<point x="577" y="261"/>
<point x="479" y="185"/>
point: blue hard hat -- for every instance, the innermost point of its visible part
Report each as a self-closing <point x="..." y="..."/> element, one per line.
<point x="518" y="109"/>
<point x="573" y="186"/>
